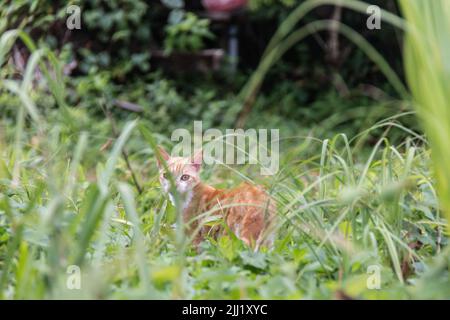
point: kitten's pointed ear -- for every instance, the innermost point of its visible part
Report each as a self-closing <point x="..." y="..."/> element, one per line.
<point x="164" y="155"/>
<point x="197" y="159"/>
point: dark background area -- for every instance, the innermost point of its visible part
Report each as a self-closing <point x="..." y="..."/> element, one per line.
<point x="114" y="55"/>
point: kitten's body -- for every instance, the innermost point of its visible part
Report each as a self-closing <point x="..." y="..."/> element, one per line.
<point x="247" y="210"/>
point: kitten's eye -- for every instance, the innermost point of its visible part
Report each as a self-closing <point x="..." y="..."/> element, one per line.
<point x="185" y="177"/>
<point x="165" y="175"/>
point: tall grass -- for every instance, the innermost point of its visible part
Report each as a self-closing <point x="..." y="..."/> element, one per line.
<point x="53" y="219"/>
<point x="427" y="65"/>
<point x="287" y="36"/>
<point x="426" y="60"/>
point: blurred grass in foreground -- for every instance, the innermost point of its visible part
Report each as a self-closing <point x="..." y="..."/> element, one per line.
<point x="427" y="65"/>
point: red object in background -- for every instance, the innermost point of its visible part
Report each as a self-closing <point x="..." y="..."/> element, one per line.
<point x="223" y="5"/>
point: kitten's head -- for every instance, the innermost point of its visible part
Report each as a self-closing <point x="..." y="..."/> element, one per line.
<point x="185" y="171"/>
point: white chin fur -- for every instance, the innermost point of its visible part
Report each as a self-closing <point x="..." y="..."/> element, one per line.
<point x="185" y="195"/>
<point x="185" y="199"/>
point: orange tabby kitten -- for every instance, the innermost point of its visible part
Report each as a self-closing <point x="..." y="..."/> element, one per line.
<point x="247" y="210"/>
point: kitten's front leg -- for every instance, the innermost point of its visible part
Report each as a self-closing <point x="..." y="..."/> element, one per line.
<point x="202" y="234"/>
<point x="196" y="244"/>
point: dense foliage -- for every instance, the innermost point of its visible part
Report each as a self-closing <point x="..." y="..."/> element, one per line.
<point x="81" y="111"/>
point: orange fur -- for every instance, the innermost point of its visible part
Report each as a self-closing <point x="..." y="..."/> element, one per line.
<point x="247" y="210"/>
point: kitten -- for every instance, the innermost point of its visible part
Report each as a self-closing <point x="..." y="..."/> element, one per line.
<point x="247" y="210"/>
